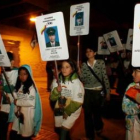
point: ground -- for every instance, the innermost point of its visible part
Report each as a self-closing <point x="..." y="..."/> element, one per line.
<point x="113" y="117"/>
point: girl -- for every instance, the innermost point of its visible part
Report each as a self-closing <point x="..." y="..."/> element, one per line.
<point x="132" y="108"/>
<point x="69" y="98"/>
<point x="28" y="114"/>
<point x="93" y="87"/>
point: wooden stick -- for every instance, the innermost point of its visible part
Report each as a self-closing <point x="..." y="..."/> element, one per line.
<point x="78" y="51"/>
<point x="56" y="69"/>
<point x="4" y="73"/>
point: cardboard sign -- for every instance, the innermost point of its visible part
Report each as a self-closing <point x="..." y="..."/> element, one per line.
<point x="113" y="41"/>
<point x="129" y="40"/>
<point x="4" y="60"/>
<point x="79" y="19"/>
<point x="136" y="38"/>
<point x="52" y="37"/>
<point x="102" y="47"/>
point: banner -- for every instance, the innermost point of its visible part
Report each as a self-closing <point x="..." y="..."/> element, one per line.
<point x="102" y="47"/>
<point x="4" y="60"/>
<point x="113" y="41"/>
<point x="136" y="37"/>
<point x="129" y="40"/>
<point x="79" y="19"/>
<point x="52" y="37"/>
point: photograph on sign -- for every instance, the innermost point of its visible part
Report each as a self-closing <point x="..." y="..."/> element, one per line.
<point x="136" y="37"/>
<point x="4" y="60"/>
<point x="129" y="40"/>
<point x="52" y="37"/>
<point x="79" y="19"/>
<point x="113" y="41"/>
<point x="102" y="47"/>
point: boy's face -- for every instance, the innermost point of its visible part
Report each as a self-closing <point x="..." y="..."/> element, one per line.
<point x="90" y="53"/>
<point x="136" y="75"/>
<point x="52" y="38"/>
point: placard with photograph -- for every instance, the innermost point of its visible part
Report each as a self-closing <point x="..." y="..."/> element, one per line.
<point x="102" y="47"/>
<point x="52" y="37"/>
<point x="4" y="60"/>
<point x="113" y="41"/>
<point x="79" y="19"/>
<point x="129" y="40"/>
<point x="136" y="37"/>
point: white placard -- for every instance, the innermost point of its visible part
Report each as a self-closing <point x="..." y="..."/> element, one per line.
<point x="79" y="19"/>
<point x="129" y="40"/>
<point x="52" y="37"/>
<point x="136" y="37"/>
<point x="102" y="47"/>
<point x="113" y="41"/>
<point x="4" y="60"/>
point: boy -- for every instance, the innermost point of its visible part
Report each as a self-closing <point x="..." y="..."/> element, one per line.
<point x="131" y="107"/>
<point x="11" y="73"/>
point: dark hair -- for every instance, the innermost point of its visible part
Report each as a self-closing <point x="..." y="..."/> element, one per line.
<point x="10" y="56"/>
<point x="93" y="48"/>
<point x="74" y="68"/>
<point x="27" y="84"/>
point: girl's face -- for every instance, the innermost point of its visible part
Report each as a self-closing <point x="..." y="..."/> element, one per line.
<point x="90" y="53"/>
<point x="66" y="69"/>
<point x="136" y="76"/>
<point x="23" y="75"/>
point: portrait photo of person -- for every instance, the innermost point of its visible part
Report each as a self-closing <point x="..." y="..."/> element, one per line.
<point x="103" y="45"/>
<point x="112" y="41"/>
<point x="51" y="37"/>
<point x="79" y="19"/>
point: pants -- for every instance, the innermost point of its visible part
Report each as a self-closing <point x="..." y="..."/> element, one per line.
<point x="3" y="125"/>
<point x="92" y="112"/>
<point x="63" y="133"/>
<point x="15" y="136"/>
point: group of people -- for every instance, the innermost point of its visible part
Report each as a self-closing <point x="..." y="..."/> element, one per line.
<point x="75" y="88"/>
<point x="84" y="88"/>
<point x="119" y="70"/>
<point x="20" y="108"/>
<point x="72" y="89"/>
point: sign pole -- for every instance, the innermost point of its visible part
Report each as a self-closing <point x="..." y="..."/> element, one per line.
<point x="56" y="70"/>
<point x="78" y="51"/>
<point x="4" y="73"/>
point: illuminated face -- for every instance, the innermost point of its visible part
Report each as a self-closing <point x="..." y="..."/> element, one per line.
<point x="52" y="38"/>
<point x="90" y="53"/>
<point x="136" y="75"/>
<point x="23" y="75"/>
<point x="66" y="69"/>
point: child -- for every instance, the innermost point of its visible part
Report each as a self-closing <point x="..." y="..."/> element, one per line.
<point x="69" y="95"/>
<point x="28" y="114"/>
<point x="11" y="74"/>
<point x="93" y="70"/>
<point x="132" y="108"/>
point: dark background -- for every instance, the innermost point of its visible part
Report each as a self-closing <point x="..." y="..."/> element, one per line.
<point x="105" y="16"/>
